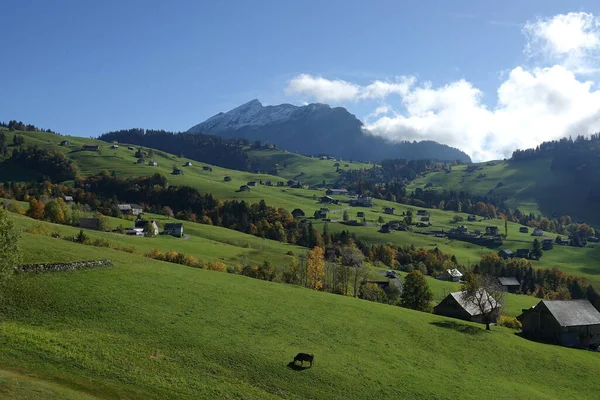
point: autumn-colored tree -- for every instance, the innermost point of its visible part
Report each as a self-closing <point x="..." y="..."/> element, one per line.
<point x="14" y="207"/>
<point x="36" y="209"/>
<point x="167" y="212"/>
<point x="54" y="211"/>
<point x="216" y="266"/>
<point x="416" y="293"/>
<point x="372" y="292"/>
<point x="315" y="268"/>
<point x="291" y="272"/>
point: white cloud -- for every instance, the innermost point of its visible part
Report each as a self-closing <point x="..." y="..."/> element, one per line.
<point x="572" y="39"/>
<point x="533" y="104"/>
<point x="381" y="110"/>
<point x="324" y="90"/>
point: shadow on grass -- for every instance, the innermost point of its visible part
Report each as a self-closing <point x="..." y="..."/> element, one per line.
<point x="590" y="270"/>
<point x="459" y="327"/>
<point x="297" y="367"/>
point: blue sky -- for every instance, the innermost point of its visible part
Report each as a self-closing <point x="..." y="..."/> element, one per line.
<point x="83" y="68"/>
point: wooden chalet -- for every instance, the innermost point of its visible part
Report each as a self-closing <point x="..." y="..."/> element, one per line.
<point x="455" y="305"/>
<point x="565" y="322"/>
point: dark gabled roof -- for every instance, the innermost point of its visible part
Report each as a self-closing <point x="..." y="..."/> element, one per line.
<point x="471" y="308"/>
<point x="173" y="226"/>
<point x="508" y="281"/>
<point x="506" y="251"/>
<point x="573" y="312"/>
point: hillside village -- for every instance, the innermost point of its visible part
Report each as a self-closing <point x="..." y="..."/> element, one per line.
<point x="321" y="236"/>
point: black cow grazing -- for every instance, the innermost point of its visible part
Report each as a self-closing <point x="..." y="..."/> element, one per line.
<point x="304" y="357"/>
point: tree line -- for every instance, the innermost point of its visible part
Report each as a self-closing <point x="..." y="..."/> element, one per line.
<point x="226" y="153"/>
<point x="14" y="125"/>
<point x="48" y="163"/>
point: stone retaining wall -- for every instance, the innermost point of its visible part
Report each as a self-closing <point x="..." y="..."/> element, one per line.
<point x="36" y="268"/>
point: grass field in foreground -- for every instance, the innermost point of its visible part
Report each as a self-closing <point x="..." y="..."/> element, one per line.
<point x="147" y="329"/>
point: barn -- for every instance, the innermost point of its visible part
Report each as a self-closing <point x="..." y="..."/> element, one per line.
<point x="565" y="322"/>
<point x="456" y="306"/>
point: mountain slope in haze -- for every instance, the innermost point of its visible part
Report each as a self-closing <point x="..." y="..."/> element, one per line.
<point x="318" y="129"/>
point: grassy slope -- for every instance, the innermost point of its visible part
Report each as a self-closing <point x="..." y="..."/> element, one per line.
<point x="206" y="242"/>
<point x="530" y="186"/>
<point x="221" y="336"/>
<point x="571" y="260"/>
<point x="310" y="170"/>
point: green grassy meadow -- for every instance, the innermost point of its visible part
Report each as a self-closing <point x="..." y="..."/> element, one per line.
<point x="313" y="171"/>
<point x="531" y="186"/>
<point x="149" y="329"/>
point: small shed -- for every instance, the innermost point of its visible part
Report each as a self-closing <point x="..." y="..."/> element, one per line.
<point x="565" y="322"/>
<point x="524" y="229"/>
<point x="389" y="210"/>
<point x="187" y="164"/>
<point x="472" y="218"/>
<point x="141" y="161"/>
<point x="506" y="253"/>
<point x="491" y="230"/>
<point x="320" y="214"/>
<point x="450" y="275"/>
<point x="296" y="213"/>
<point x="174" y="229"/>
<point x="252" y="183"/>
<point x="177" y="172"/>
<point x="547" y="244"/>
<point x="114" y="146"/>
<point x="68" y="199"/>
<point x="153" y="164"/>
<point x="386" y="228"/>
<point x="523" y="253"/>
<point x="227" y="179"/>
<point x="206" y="168"/>
<point x="244" y="188"/>
<point x="538" y="232"/>
<point x="64" y="143"/>
<point x="509" y="284"/>
<point x="91" y="147"/>
<point x="327" y="200"/>
<point x="360" y="214"/>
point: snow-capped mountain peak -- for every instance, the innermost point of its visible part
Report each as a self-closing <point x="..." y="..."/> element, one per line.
<point x="252" y="113"/>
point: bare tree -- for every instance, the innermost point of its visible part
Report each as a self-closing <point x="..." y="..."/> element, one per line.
<point x="354" y="258"/>
<point x="485" y="294"/>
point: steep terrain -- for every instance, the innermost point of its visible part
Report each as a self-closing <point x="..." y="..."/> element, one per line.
<point x="148" y="329"/>
<point x="317" y="129"/>
<point x="532" y="186"/>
